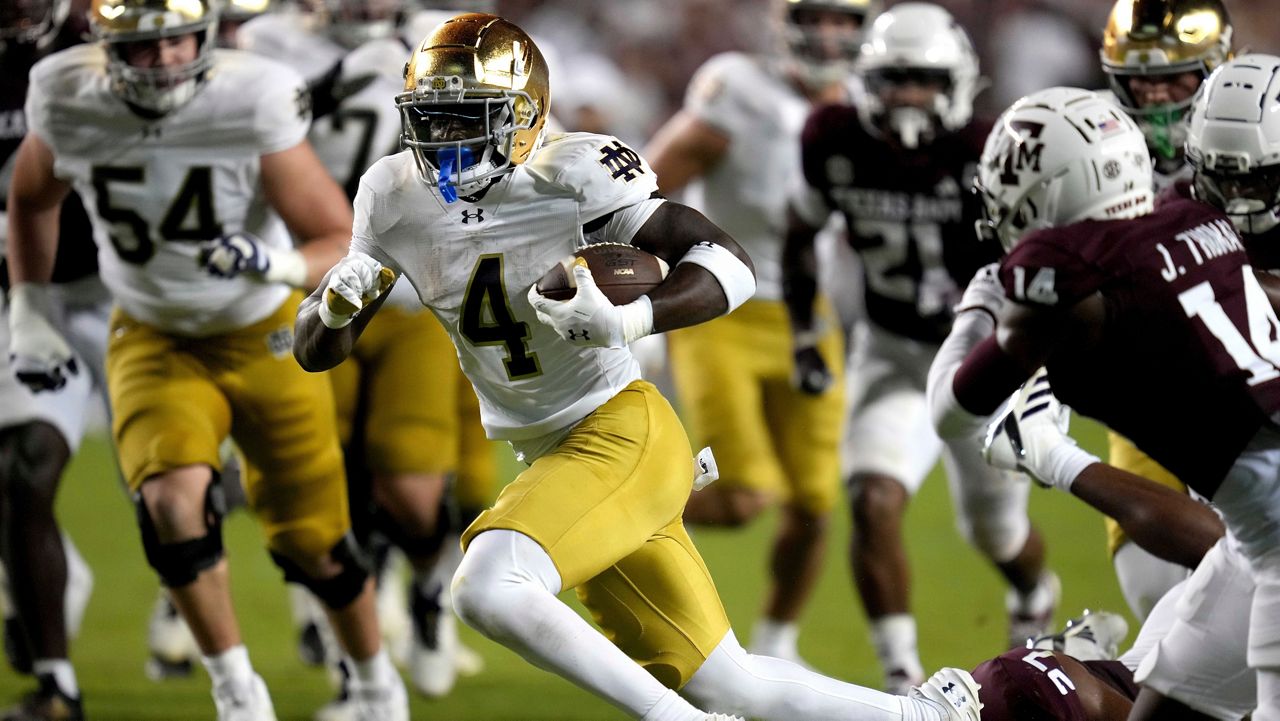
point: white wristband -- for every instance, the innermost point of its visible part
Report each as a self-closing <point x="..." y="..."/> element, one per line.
<point x="286" y="266"/>
<point x="637" y="319"/>
<point x="1065" y="463"/>
<point x="735" y="278"/>
<point x="331" y="319"/>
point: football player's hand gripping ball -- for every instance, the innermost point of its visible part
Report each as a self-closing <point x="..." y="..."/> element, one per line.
<point x="588" y="318"/>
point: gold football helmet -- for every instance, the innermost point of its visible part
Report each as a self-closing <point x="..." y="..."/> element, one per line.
<point x="823" y="36"/>
<point x="1147" y="40"/>
<point x="156" y="89"/>
<point x="475" y="102"/>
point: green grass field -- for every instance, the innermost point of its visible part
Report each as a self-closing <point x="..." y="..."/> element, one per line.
<point x="958" y="600"/>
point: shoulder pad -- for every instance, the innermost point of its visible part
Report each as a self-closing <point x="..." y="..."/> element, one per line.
<point x="600" y="171"/>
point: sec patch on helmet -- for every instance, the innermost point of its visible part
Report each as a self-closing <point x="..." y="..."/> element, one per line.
<point x="622" y="272"/>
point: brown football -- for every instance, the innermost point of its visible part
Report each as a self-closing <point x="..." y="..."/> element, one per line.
<point x="623" y="273"/>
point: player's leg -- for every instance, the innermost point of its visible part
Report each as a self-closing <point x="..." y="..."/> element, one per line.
<point x="410" y="441"/>
<point x="718" y="371"/>
<point x="284" y="423"/>
<point x="660" y="606"/>
<point x="595" y="497"/>
<point x="1249" y="501"/>
<point x="889" y="448"/>
<point x="991" y="514"/>
<point x="38" y="434"/>
<point x="806" y="430"/>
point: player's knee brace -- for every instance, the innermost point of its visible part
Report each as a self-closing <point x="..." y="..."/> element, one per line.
<point x="336" y="592"/>
<point x="180" y="562"/>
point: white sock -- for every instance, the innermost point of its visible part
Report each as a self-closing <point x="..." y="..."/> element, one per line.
<point x="232" y="664"/>
<point x="775" y="638"/>
<point x="772" y="689"/>
<point x="894" y="638"/>
<point x="63" y="674"/>
<point x="375" y="669"/>
<point x="506" y="589"/>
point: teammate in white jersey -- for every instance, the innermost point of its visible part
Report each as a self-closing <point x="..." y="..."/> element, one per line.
<point x="406" y="434"/>
<point x="184" y="156"/>
<point x="776" y="430"/>
<point x="471" y="216"/>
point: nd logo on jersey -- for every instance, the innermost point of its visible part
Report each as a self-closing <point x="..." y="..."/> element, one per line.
<point x="622" y="162"/>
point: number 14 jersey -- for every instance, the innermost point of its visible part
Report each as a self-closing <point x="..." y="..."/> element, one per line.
<point x="1187" y="365"/>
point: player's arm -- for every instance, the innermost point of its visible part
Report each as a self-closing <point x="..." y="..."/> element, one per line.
<point x="710" y="273"/>
<point x="310" y="202"/>
<point x="42" y="360"/>
<point x="331" y="319"/>
<point x="800" y="272"/>
<point x="34" y="203"/>
<point x="684" y="149"/>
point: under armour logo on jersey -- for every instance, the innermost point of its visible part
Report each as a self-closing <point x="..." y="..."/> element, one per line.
<point x="579" y="334"/>
<point x="477" y="215"/>
<point x="621" y="161"/>
<point x="151" y="131"/>
<point x="302" y="102"/>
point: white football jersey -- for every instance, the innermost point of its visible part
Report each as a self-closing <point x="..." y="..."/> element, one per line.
<point x="156" y="188"/>
<point x="748" y="99"/>
<point x="365" y="125"/>
<point x="473" y="263"/>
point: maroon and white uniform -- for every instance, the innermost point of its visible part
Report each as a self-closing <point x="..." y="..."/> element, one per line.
<point x="910" y="218"/>
<point x="1187" y="366"/>
<point x="1031" y="685"/>
<point x="1173" y="371"/>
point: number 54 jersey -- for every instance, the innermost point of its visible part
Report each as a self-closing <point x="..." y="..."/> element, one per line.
<point x="1187" y="365"/>
<point x="472" y="263"/>
<point x="156" y="187"/>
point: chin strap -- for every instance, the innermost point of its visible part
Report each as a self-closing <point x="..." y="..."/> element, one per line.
<point x="451" y="160"/>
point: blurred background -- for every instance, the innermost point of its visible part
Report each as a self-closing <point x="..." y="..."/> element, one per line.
<point x="625" y="63"/>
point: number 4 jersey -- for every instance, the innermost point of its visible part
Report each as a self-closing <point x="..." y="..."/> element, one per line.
<point x="1187" y="364"/>
<point x="156" y="187"/>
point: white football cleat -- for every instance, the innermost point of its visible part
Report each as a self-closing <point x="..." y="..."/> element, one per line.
<point x="1095" y="636"/>
<point x="238" y="700"/>
<point x="174" y="651"/>
<point x="955" y="691"/>
<point x="432" y="664"/>
<point x="386" y="701"/>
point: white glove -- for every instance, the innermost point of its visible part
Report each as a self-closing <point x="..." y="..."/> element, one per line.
<point x="355" y="282"/>
<point x="40" y="356"/>
<point x="588" y="318"/>
<point x="240" y="253"/>
<point x="1029" y="434"/>
<point x="984" y="292"/>
<point x="955" y="690"/>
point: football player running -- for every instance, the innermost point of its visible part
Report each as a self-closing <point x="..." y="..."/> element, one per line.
<point x="599" y="507"/>
<point x="897" y="166"/>
<point x="1156" y="54"/>
<point x="777" y="433"/>
<point x="44" y="582"/>
<point x="406" y="412"/>
<point x="185" y="155"/>
<point x="1151" y="322"/>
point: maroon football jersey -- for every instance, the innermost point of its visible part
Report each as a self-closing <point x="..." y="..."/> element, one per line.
<point x="1031" y="685"/>
<point x="910" y="215"/>
<point x="1188" y="363"/>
